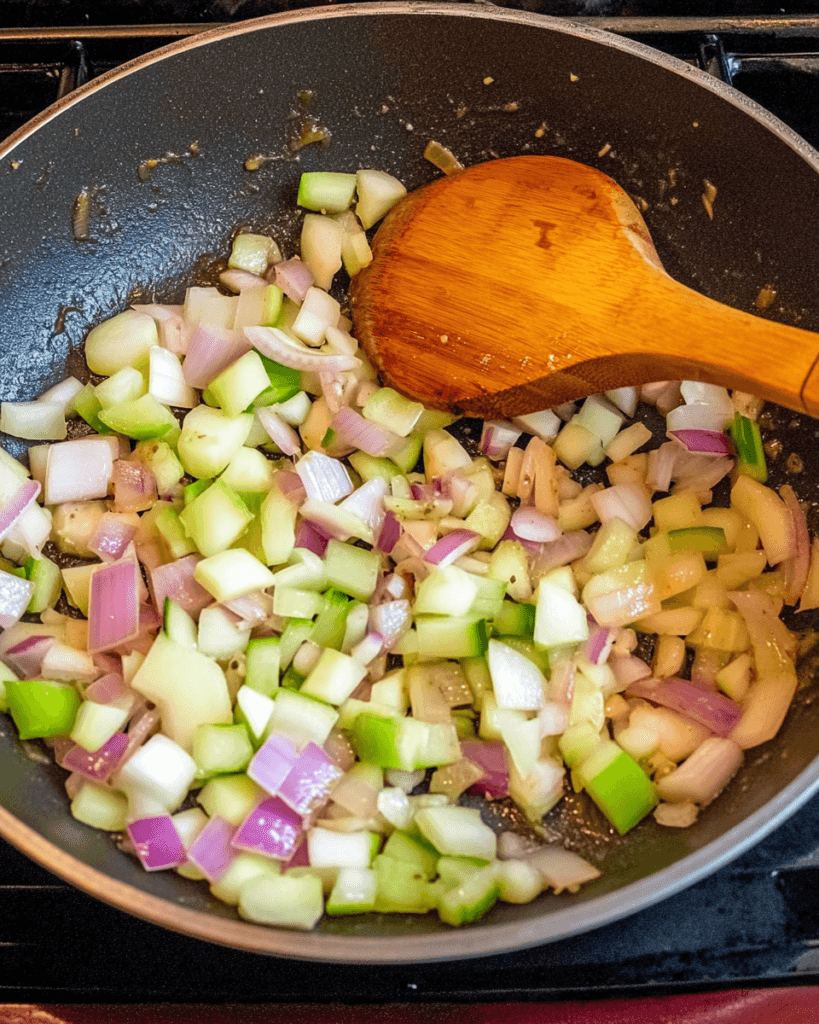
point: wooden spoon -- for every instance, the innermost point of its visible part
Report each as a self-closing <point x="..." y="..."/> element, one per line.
<point x="519" y="284"/>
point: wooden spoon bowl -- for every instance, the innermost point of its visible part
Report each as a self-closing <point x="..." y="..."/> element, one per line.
<point x="518" y="284"/>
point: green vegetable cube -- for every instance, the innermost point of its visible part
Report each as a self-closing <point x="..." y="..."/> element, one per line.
<point x="40" y="707"/>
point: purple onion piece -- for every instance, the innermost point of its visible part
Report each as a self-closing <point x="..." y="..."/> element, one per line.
<point x="211" y="851"/>
<point x="272" y="763"/>
<point x="713" y="710"/>
<point x="156" y="842"/>
<point x="99" y="764"/>
<point x="491" y="756"/>
<point x="272" y="829"/>
<point x="310" y="781"/>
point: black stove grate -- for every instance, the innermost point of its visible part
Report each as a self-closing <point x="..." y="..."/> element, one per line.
<point x="755" y="922"/>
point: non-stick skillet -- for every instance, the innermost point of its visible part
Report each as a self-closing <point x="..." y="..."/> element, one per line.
<point x="161" y="150"/>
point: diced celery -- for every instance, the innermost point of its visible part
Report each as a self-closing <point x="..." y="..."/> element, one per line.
<point x="123" y="340"/>
<point x="334" y="677"/>
<point x="126" y="385"/>
<point x="141" y="419"/>
<point x="455" y="637"/>
<point x="750" y="452"/>
<point x="326" y="191"/>
<point x="290" y="602"/>
<point x="221" y="748"/>
<point x="237" y="386"/>
<point x="216" y="518"/>
<point x="100" y="807"/>
<point x="618" y="785"/>
<point x="352" y="570"/>
<point x="231" y="797"/>
<point x="41" y="708"/>
<point x="241" y="869"/>
<point x="210" y="439"/>
<point x="253" y="253"/>
<point x="262" y="663"/>
<point x="285" y="900"/>
<point x="231" y="573"/>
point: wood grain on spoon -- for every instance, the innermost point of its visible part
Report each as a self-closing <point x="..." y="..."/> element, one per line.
<point x="522" y="283"/>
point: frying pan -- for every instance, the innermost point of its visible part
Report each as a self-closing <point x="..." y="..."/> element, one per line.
<point x="383" y="81"/>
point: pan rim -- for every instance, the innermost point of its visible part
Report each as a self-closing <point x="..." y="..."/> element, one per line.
<point x="478" y="939"/>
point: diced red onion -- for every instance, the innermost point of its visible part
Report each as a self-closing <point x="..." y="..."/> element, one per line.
<point x="324" y="478"/>
<point x="628" y="669"/>
<point x="211" y="350"/>
<point x="389" y="535"/>
<point x="272" y="829"/>
<point x="176" y="581"/>
<point x="156" y="842"/>
<point x="211" y="851"/>
<point x="108" y="688"/>
<point x="367" y="502"/>
<point x="565" y="549"/>
<point x="26" y="657"/>
<point x="703" y="775"/>
<point x="294" y="278"/>
<point x="562" y="869"/>
<point x="15" y="595"/>
<point x="134" y="487"/>
<point x="452" y="547"/>
<point x="352" y="429"/>
<point x="623" y="606"/>
<point x="629" y="502"/>
<point x="113" y="610"/>
<point x="280" y="433"/>
<point x="17" y="505"/>
<point x="531" y="546"/>
<point x="310" y="781"/>
<point x="697" y="416"/>
<point x="529" y="524"/>
<point x="700" y="472"/>
<point x="391" y="621"/>
<point x="142" y="725"/>
<point x="78" y="470"/>
<point x="661" y="465"/>
<point x="272" y="763"/>
<point x="73" y="784"/>
<point x="796" y="567"/>
<point x="368" y="649"/>
<point x="308" y="536"/>
<point x="497" y="437"/>
<point x="561" y="681"/>
<point x="291" y="486"/>
<point x="236" y="280"/>
<point x="553" y="719"/>
<point x="491" y="756"/>
<point x="565" y="410"/>
<point x="63" y="393"/>
<point x="703" y="442"/>
<point x="713" y="710"/>
<point x="714" y="395"/>
<point x="332" y="388"/>
<point x="287" y="351"/>
<point x="170" y="324"/>
<point x="338" y="747"/>
<point x="167" y="381"/>
<point x="598" y="647"/>
<point x="67" y="664"/>
<point x="99" y="764"/>
<point x="252" y="609"/>
<point x="112" y="537"/>
<point x="357" y="797"/>
<point x="108" y="663"/>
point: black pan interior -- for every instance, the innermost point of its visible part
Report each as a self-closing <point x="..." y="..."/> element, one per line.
<point x="383" y="84"/>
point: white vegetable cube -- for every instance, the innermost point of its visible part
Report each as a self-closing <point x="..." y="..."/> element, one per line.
<point x="559" y="617"/>
<point x="517" y="682"/>
<point x="232" y="573"/>
<point x="301" y="718"/>
<point x="95" y="724"/>
<point x="124" y="340"/>
<point x="330" y="849"/>
<point x="166" y="382"/>
<point x="446" y="591"/>
<point x="210" y="439"/>
<point x="318" y="312"/>
<point x="378" y="192"/>
<point x="286" y="900"/>
<point x="255" y="710"/>
<point x="334" y="677"/>
<point x="219" y="636"/>
<point x="161" y="770"/>
<point x="457" y="832"/>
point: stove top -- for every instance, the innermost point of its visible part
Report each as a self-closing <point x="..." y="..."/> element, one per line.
<point x="755" y="922"/>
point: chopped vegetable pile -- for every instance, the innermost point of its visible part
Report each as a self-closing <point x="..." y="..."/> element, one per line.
<point x="310" y="621"/>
